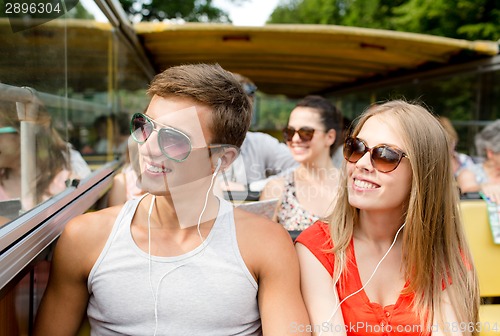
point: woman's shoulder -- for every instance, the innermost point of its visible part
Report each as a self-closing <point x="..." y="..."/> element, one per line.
<point x="317" y="236"/>
<point x="316" y="239"/>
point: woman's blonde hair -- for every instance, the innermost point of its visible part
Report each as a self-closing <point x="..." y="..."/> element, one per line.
<point x="435" y="250"/>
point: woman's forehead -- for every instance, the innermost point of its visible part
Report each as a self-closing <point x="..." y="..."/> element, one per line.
<point x="305" y="116"/>
<point x="380" y="129"/>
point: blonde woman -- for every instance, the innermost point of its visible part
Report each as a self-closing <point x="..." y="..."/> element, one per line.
<point x="306" y="193"/>
<point x="393" y="258"/>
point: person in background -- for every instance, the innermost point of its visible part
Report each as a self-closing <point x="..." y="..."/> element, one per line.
<point x="111" y="135"/>
<point x="485" y="176"/>
<point x="261" y="154"/>
<point x="179" y="260"/>
<point x="459" y="161"/>
<point x="306" y="193"/>
<point x="393" y="254"/>
<point x="338" y="153"/>
<point x="53" y="163"/>
<point x="126" y="183"/>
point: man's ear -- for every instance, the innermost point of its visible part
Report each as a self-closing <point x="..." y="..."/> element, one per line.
<point x="228" y="156"/>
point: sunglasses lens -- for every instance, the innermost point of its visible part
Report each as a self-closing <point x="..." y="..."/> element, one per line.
<point x="140" y="127"/>
<point x="288" y="133"/>
<point x="354" y="149"/>
<point x="385" y="159"/>
<point x="174" y="144"/>
<point x="305" y="133"/>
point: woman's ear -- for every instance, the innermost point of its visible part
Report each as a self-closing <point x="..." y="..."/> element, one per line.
<point x="330" y="136"/>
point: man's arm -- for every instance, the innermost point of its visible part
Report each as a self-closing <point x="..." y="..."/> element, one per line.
<point x="65" y="300"/>
<point x="268" y="252"/>
<point x="467" y="181"/>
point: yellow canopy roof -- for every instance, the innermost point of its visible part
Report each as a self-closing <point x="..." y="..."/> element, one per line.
<point x="295" y="60"/>
<point x="301" y="59"/>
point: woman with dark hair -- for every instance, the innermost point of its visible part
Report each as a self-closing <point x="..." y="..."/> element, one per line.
<point x="306" y="193"/>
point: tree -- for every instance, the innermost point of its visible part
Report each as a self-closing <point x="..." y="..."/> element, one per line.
<point x="188" y="10"/>
<point x="466" y="19"/>
<point x="309" y="11"/>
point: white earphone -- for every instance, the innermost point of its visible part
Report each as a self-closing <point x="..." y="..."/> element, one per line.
<point x="219" y="163"/>
<point x="155" y="292"/>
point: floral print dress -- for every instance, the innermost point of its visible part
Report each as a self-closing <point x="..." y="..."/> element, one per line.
<point x="290" y="213"/>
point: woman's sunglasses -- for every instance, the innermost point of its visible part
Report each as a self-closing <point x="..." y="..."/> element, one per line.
<point x="174" y="144"/>
<point x="384" y="158"/>
<point x="305" y="133"/>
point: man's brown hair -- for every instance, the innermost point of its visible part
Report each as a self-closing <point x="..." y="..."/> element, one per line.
<point x="214" y="87"/>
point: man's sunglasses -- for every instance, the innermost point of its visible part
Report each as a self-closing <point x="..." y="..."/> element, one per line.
<point x="305" y="133"/>
<point x="173" y="143"/>
<point x="384" y="158"/>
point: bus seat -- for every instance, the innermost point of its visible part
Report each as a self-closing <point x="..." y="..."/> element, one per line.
<point x="486" y="256"/>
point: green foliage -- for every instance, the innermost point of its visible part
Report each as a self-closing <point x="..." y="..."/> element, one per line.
<point x="465" y="19"/>
<point x="309" y="11"/>
<point x="272" y="112"/>
<point x="188" y="10"/>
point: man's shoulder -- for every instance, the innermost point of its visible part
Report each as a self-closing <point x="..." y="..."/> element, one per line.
<point x="259" y="230"/>
<point x="83" y="240"/>
<point x="92" y="226"/>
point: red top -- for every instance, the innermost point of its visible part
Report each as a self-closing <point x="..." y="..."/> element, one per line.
<point x="361" y="317"/>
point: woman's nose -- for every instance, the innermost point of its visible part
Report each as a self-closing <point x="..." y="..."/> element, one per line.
<point x="365" y="162"/>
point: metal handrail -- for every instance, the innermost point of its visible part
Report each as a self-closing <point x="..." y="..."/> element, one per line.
<point x="25" y="237"/>
<point x="27" y="102"/>
<point x="28" y="95"/>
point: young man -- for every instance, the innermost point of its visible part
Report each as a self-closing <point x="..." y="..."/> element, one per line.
<point x="178" y="261"/>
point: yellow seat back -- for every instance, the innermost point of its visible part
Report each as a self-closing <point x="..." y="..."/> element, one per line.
<point x="486" y="254"/>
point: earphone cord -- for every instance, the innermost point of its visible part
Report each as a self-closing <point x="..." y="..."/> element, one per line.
<point x="367" y="282"/>
<point x="205" y="206"/>
<point x="153" y="292"/>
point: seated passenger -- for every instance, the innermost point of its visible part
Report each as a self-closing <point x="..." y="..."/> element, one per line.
<point x="126" y="183"/>
<point x="261" y="155"/>
<point x="179" y="260"/>
<point x="307" y="193"/>
<point x="393" y="258"/>
<point x="485" y="176"/>
<point x="459" y="161"/>
<point x="338" y="153"/>
<point x="53" y="162"/>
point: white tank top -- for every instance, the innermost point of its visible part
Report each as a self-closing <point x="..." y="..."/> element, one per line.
<point x="213" y="293"/>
